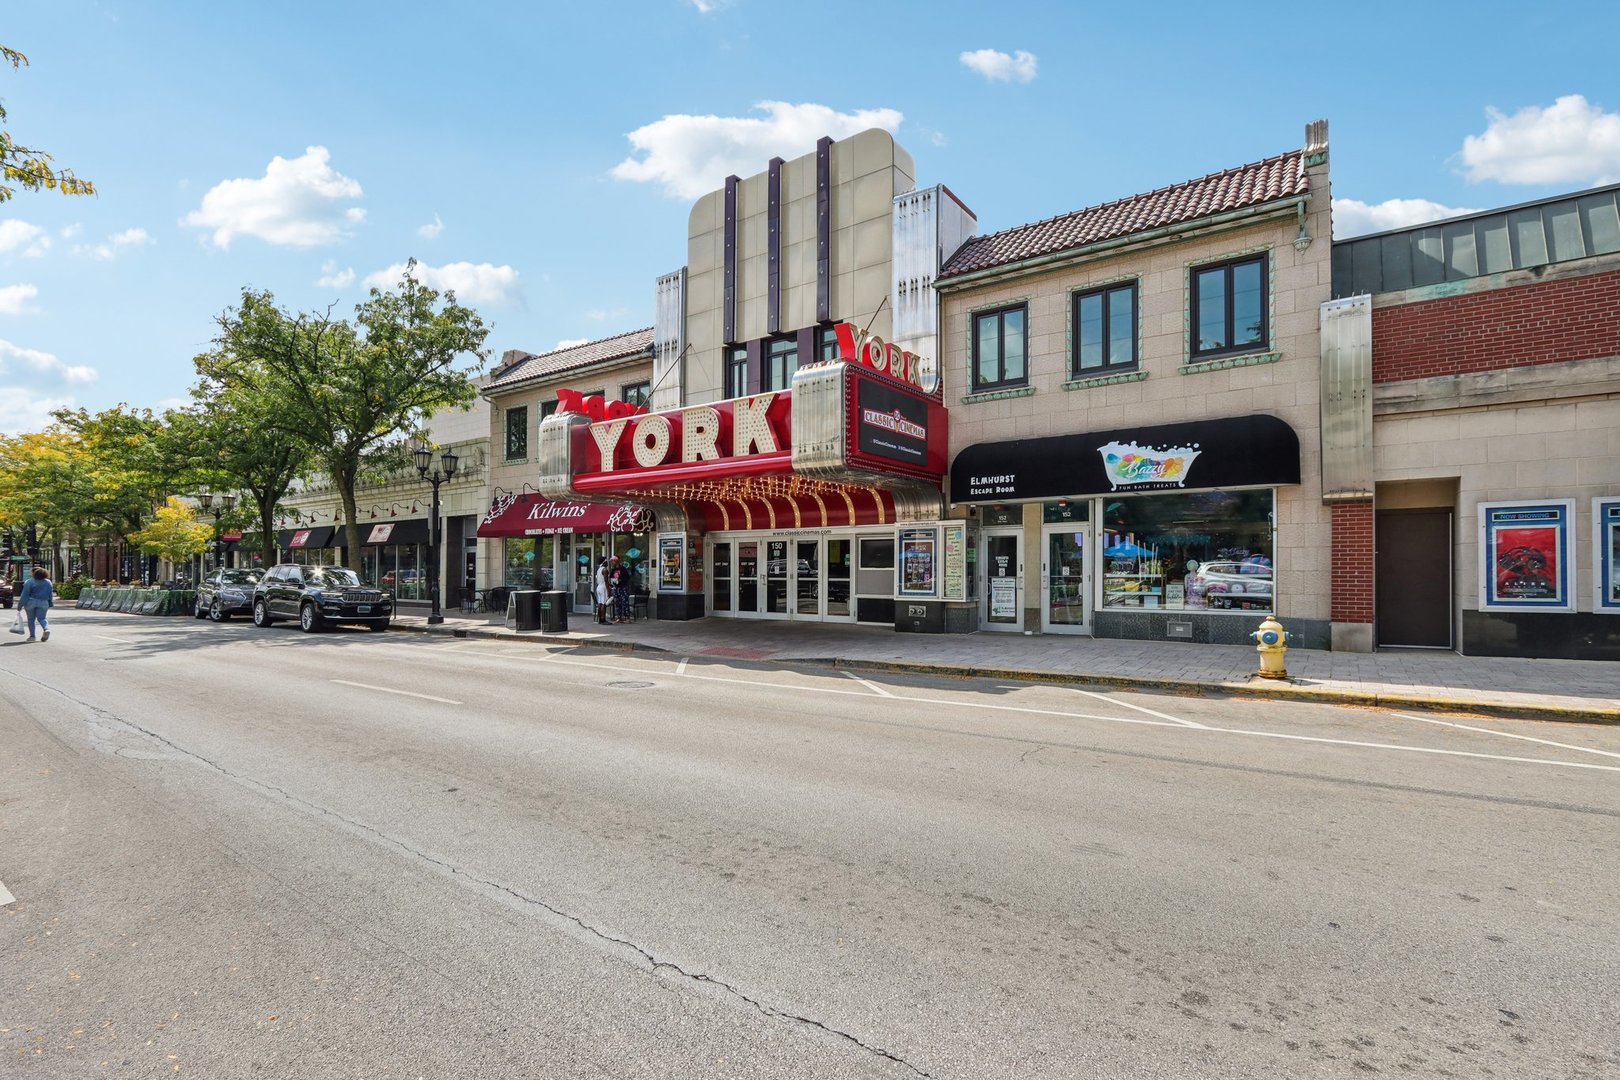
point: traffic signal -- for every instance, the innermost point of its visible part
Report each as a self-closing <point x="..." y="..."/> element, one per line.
<point x="6" y="546"/>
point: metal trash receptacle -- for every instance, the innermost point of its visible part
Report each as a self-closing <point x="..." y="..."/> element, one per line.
<point x="554" y="611"/>
<point x="523" y="609"/>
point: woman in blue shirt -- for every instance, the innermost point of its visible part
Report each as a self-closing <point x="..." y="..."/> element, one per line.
<point x="36" y="598"/>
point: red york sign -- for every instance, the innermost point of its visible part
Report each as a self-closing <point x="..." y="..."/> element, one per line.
<point x="741" y="436"/>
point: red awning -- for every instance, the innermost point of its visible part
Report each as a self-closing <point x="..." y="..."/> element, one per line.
<point x="534" y="515"/>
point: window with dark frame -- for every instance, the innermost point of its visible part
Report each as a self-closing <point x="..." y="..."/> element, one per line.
<point x="517" y="433"/>
<point x="1228" y="301"/>
<point x="548" y="408"/>
<point x="1104" y="331"/>
<point x="637" y="393"/>
<point x="1000" y="348"/>
<point x="826" y="343"/>
<point x="781" y="361"/>
<point x="737" y="372"/>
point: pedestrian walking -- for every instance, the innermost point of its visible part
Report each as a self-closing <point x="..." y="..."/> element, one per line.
<point x="37" y="597"/>
<point x="619" y="579"/>
<point x="603" y="591"/>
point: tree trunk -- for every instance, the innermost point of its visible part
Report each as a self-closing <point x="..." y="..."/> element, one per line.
<point x="351" y="526"/>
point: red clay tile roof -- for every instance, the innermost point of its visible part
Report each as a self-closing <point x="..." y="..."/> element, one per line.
<point x="1279" y="177"/>
<point x="526" y="367"/>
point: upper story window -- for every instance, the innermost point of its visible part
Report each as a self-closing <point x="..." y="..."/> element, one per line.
<point x="1229" y="307"/>
<point x="637" y="393"/>
<point x="548" y="408"/>
<point x="737" y="372"/>
<point x="1104" y="331"/>
<point x="517" y="433"/>
<point x="1000" y="346"/>
<point x="781" y="361"/>
<point x="826" y="343"/>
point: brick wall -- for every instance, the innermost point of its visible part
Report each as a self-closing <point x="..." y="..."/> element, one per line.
<point x="1542" y="322"/>
<point x="1352" y="575"/>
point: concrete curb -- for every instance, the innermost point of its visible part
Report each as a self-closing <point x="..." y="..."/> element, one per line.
<point x="1268" y="689"/>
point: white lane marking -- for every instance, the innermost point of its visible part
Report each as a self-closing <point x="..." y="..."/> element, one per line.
<point x="391" y="690"/>
<point x="1139" y="708"/>
<point x="680" y="668"/>
<point x="1508" y="735"/>
<point x="870" y="685"/>
<point x="1109" y="719"/>
<point x="121" y="641"/>
<point x="5" y="896"/>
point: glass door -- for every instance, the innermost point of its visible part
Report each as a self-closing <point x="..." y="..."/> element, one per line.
<point x="1004" y="582"/>
<point x="1063" y="581"/>
<point x="720" y="577"/>
<point x="840" y="603"/>
<point x="807" y="579"/>
<point x="748" y="590"/>
<point x="776" y="577"/>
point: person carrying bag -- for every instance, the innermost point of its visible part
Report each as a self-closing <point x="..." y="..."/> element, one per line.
<point x="37" y="597"/>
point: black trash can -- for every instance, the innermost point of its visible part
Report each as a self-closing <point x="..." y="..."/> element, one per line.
<point x="523" y="609"/>
<point x="554" y="611"/>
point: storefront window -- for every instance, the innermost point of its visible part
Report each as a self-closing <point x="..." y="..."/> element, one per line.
<point x="408" y="583"/>
<point x="1207" y="550"/>
<point x="520" y="564"/>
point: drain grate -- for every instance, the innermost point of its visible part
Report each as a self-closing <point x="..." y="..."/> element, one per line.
<point x="629" y="685"/>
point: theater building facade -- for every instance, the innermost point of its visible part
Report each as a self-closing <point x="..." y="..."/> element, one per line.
<point x="1135" y="402"/>
<point x="793" y="449"/>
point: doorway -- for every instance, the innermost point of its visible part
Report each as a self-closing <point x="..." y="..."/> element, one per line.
<point x="1412" y="568"/>
<point x="1065" y="583"/>
<point x="1003" y="605"/>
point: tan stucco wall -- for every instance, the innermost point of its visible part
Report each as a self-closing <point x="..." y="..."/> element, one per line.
<point x="867" y="171"/>
<point x="1288" y="388"/>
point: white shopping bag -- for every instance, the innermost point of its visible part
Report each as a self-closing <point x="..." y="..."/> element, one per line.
<point x="20" y="626"/>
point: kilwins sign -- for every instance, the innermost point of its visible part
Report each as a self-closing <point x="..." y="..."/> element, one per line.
<point x="1244" y="451"/>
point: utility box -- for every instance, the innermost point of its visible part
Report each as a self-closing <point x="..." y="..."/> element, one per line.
<point x="523" y="609"/>
<point x="554" y="611"/>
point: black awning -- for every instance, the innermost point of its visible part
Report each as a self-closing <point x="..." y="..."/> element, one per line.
<point x="315" y="536"/>
<point x="386" y="533"/>
<point x="1244" y="451"/>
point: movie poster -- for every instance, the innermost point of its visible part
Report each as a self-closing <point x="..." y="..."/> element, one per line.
<point x="1606" y="554"/>
<point x="917" y="562"/>
<point x="671" y="550"/>
<point x="1525" y="556"/>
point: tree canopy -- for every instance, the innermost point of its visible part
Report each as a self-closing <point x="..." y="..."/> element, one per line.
<point x="174" y="533"/>
<point x="349" y="393"/>
<point x="30" y="168"/>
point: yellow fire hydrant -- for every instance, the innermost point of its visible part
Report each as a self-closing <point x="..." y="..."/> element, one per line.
<point x="1271" y="641"/>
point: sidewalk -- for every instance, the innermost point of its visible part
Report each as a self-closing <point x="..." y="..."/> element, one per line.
<point x="1577" y="690"/>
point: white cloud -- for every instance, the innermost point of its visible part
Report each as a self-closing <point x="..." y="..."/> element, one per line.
<point x="1351" y="217"/>
<point x="14" y="299"/>
<point x="1570" y="142"/>
<point x="569" y="343"/>
<point x="431" y="231"/>
<point x="333" y="278"/>
<point x="704" y="6"/>
<point x="72" y="232"/>
<point x="480" y="283"/>
<point x="14" y="358"/>
<point x="602" y="315"/>
<point x="997" y="66"/>
<point x="692" y="155"/>
<point x="109" y="248"/>
<point x="937" y="138"/>
<point x="20" y="237"/>
<point x="296" y="203"/>
<point x="23" y="410"/>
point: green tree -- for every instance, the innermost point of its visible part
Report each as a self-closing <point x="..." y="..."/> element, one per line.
<point x="30" y="168"/>
<point x="174" y="533"/>
<point x="351" y="393"/>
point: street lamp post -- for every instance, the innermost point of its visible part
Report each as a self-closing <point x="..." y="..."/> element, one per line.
<point x="435" y="476"/>
<point x="227" y="503"/>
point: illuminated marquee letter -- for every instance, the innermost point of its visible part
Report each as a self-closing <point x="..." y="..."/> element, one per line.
<point x="651" y="440"/>
<point x="874" y="353"/>
<point x="700" y="432"/>
<point x="568" y="401"/>
<point x="750" y="430"/>
<point x="607" y="440"/>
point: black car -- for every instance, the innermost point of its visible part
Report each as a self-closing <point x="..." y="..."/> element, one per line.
<point x="224" y="593"/>
<point x="6" y="593"/>
<point x="319" y="596"/>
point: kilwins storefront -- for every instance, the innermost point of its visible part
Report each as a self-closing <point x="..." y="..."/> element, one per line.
<point x="819" y="503"/>
<point x="554" y="544"/>
<point x="1170" y="531"/>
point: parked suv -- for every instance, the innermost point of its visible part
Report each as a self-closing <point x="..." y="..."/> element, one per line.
<point x="318" y="596"/>
<point x="226" y="592"/>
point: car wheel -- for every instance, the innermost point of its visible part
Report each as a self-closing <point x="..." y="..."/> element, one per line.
<point x="261" y="614"/>
<point x="201" y="610"/>
<point x="309" y="620"/>
<point x="217" y="612"/>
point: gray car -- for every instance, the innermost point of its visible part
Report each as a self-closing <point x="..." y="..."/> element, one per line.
<point x="227" y="592"/>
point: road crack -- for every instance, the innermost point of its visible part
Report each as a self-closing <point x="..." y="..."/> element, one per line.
<point x="102" y="717"/>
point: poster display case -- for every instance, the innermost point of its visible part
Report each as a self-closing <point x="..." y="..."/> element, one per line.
<point x="1525" y="555"/>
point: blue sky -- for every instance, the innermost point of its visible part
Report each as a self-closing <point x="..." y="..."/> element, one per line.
<point x="541" y="157"/>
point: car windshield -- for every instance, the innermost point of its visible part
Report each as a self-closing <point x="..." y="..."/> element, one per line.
<point x="239" y="577"/>
<point x="333" y="577"/>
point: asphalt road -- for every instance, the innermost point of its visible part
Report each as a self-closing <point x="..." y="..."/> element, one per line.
<point x="240" y="853"/>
